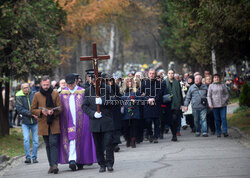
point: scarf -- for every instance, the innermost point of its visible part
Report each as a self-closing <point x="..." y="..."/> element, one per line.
<point x="175" y="91"/>
<point x="49" y="103"/>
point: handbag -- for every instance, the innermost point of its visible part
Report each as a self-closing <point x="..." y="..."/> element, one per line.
<point x="167" y="98"/>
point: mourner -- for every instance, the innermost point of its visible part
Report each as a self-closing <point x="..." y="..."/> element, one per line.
<point x="101" y="123"/>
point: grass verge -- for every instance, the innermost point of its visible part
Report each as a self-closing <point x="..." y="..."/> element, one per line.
<point x="12" y="145"/>
<point x="240" y="119"/>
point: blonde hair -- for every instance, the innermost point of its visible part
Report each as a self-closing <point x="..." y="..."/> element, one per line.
<point x="133" y="84"/>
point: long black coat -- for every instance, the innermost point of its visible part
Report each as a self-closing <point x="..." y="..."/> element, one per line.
<point x="105" y="123"/>
<point x="151" y="89"/>
<point x="116" y="106"/>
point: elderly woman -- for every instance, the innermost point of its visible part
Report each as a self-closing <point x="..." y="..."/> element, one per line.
<point x="218" y="97"/>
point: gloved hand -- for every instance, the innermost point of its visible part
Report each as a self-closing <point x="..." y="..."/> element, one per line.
<point x="98" y="115"/>
<point x="98" y="101"/>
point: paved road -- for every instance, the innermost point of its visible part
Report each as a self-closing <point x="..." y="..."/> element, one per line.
<point x="190" y="157"/>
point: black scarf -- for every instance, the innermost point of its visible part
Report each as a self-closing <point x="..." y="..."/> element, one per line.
<point x="49" y="103"/>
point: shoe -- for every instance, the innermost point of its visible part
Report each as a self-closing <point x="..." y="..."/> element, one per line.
<point x="174" y="138"/>
<point x="50" y="170"/>
<point x="197" y="134"/>
<point x="27" y="161"/>
<point x="178" y="134"/>
<point x="151" y="139"/>
<point x="102" y="169"/>
<point x="161" y="136"/>
<point x="116" y="148"/>
<point x="110" y="168"/>
<point x="205" y="135"/>
<point x="79" y="166"/>
<point x="167" y="130"/>
<point x="184" y="127"/>
<point x="54" y="169"/>
<point x="212" y="133"/>
<point x="72" y="165"/>
<point x="218" y="135"/>
<point x="225" y="134"/>
<point x="35" y="161"/>
<point x="133" y="139"/>
<point x="156" y="140"/>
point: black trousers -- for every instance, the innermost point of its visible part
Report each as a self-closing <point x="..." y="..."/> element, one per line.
<point x="174" y="121"/>
<point x="51" y="142"/>
<point x="104" y="142"/>
<point x="190" y="120"/>
<point x="130" y="127"/>
<point x="210" y="121"/>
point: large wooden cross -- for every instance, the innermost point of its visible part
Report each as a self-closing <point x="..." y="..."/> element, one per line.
<point x="95" y="59"/>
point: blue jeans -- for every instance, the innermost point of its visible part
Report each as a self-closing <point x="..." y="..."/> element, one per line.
<point x="26" y="140"/>
<point x="200" y="121"/>
<point x="220" y="113"/>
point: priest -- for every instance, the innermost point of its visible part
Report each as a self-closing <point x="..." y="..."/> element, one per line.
<point x="77" y="146"/>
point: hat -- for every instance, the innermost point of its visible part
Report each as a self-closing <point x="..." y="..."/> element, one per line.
<point x="71" y="78"/>
<point x="91" y="73"/>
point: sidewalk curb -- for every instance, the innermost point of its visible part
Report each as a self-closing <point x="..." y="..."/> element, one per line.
<point x="4" y="164"/>
<point x="240" y="133"/>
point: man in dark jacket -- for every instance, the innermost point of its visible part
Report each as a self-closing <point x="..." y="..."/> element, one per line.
<point x="23" y="104"/>
<point x="101" y="124"/>
<point x="150" y="89"/>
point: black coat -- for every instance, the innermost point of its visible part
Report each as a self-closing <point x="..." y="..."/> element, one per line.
<point x="116" y="106"/>
<point x="151" y="89"/>
<point x="105" y="123"/>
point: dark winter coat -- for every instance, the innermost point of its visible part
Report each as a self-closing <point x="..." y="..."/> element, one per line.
<point x="89" y="106"/>
<point x="23" y="106"/>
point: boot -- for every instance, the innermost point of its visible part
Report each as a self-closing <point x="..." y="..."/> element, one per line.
<point x="133" y="142"/>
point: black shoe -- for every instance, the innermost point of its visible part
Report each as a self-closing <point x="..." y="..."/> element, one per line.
<point x="72" y="165"/>
<point x="212" y="133"/>
<point x="174" y="138"/>
<point x="35" y="161"/>
<point x="151" y="139"/>
<point x="116" y="148"/>
<point x="184" y="127"/>
<point x="110" y="168"/>
<point x="28" y="160"/>
<point x="193" y="130"/>
<point x="102" y="169"/>
<point x="225" y="134"/>
<point x="161" y="136"/>
<point x="79" y="166"/>
<point x="218" y="135"/>
<point x="54" y="169"/>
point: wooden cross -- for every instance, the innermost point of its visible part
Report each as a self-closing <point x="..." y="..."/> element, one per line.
<point x="95" y="59"/>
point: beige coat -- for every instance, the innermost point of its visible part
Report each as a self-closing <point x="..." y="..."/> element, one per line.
<point x="39" y="100"/>
<point x="217" y="95"/>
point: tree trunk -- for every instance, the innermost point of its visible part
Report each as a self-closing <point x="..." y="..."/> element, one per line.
<point x="214" y="61"/>
<point x="4" y="110"/>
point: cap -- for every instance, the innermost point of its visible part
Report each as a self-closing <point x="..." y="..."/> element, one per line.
<point x="71" y="78"/>
<point x="91" y="73"/>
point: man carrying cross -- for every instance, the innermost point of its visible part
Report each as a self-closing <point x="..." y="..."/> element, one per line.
<point x="100" y="114"/>
<point x="101" y="124"/>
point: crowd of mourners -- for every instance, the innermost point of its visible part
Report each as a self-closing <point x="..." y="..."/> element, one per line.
<point x="137" y="108"/>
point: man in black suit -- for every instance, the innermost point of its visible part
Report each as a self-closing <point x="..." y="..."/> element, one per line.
<point x="101" y="124"/>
